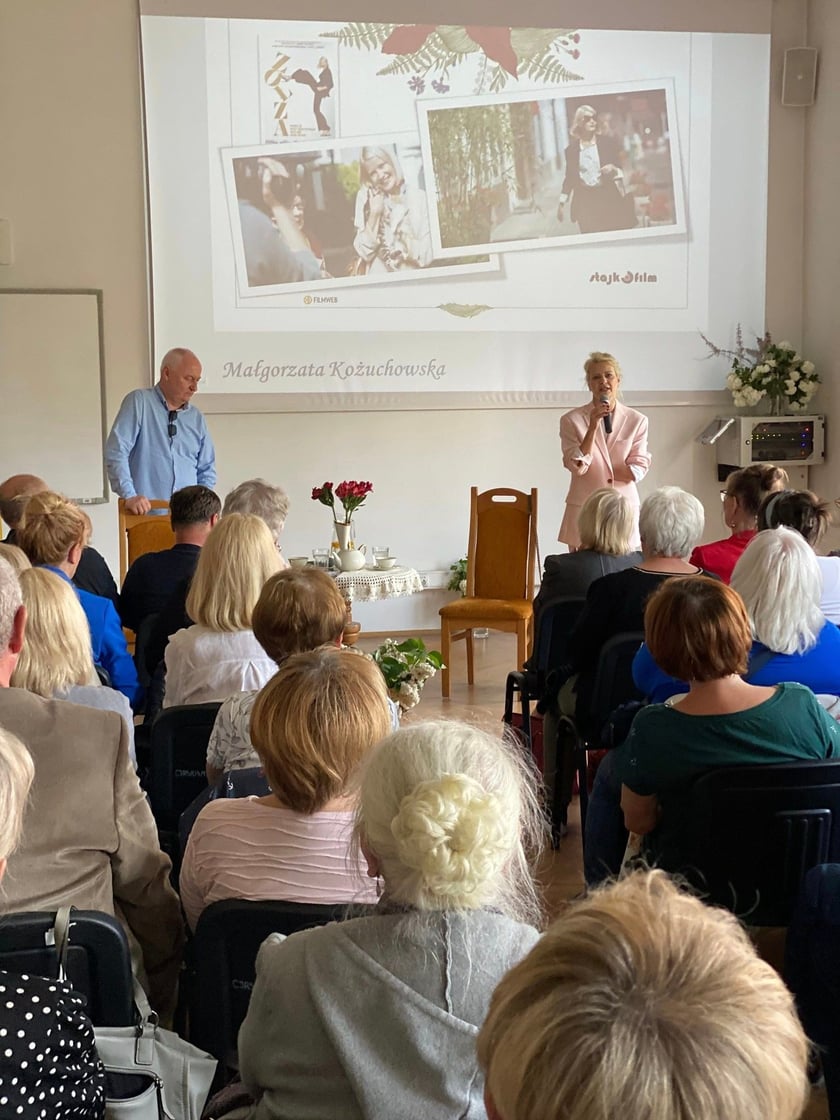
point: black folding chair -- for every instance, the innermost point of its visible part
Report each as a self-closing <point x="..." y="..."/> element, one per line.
<point x="613" y="686"/>
<point x="752" y="833"/>
<point x="98" y="962"/>
<point x="248" y="782"/>
<point x="223" y="955"/>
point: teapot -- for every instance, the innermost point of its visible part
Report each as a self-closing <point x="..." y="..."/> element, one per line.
<point x="349" y="559"/>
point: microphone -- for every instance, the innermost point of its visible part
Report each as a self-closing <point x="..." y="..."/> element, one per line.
<point x="608" y="417"/>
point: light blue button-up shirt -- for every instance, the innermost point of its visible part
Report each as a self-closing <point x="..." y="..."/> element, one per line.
<point x="142" y="458"/>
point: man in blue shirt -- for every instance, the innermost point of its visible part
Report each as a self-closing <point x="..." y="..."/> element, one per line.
<point x="159" y="442"/>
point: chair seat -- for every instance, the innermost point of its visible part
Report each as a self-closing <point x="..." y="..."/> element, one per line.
<point x="500" y="609"/>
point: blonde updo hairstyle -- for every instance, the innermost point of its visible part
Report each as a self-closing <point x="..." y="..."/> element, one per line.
<point x="51" y="525"/>
<point x="16" y="774"/>
<point x="452" y="815"/>
<point x="57" y="652"/>
<point x="235" y="561"/>
<point x="606" y="523"/>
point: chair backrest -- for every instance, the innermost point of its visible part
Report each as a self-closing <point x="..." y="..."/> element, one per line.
<point x="555" y="625"/>
<point x="614" y="676"/>
<point x="142" y="532"/>
<point x="502" y="552"/>
<point x="248" y="782"/>
<point x="753" y="832"/>
<point x="177" y="767"/>
<point x="98" y="963"/>
<point x="224" y="953"/>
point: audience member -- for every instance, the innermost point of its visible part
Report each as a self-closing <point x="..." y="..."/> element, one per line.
<point x="90" y="839"/>
<point x="803" y="511"/>
<point x="92" y="574"/>
<point x="377" y="1016"/>
<point x="52" y="535"/>
<point x="779" y="580"/>
<point x="722" y="721"/>
<point x="15" y="556"/>
<point x="48" y="1052"/>
<point x="56" y="660"/>
<point x="606" y="526"/>
<point x="219" y="654"/>
<point x="271" y="504"/>
<point x="670" y="524"/>
<point x="298" y="610"/>
<point x="642" y="1002"/>
<point x="159" y="441"/>
<point x="742" y="496"/>
<point x="313" y="723"/>
<point x="154" y="577"/>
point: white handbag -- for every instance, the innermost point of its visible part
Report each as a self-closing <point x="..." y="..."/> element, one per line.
<point x="150" y="1073"/>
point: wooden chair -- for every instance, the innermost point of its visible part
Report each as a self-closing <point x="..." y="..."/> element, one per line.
<point x="501" y="561"/>
<point x="142" y="532"/>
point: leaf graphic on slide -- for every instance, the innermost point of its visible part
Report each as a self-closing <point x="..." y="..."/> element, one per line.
<point x="495" y="42"/>
<point x="464" y="310"/>
<point x="407" y="39"/>
<point x="365" y="36"/>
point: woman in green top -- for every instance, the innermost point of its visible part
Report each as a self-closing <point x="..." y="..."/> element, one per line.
<point x="721" y="721"/>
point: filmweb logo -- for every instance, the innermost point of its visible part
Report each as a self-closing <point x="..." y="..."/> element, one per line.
<point x="320" y="299"/>
<point x="627" y="277"/>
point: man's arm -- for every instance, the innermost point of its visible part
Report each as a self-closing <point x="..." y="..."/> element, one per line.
<point x="121" y="441"/>
<point x="141" y="883"/>
<point x="205" y="467"/>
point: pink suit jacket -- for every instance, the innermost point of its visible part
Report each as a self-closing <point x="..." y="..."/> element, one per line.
<point x="625" y="446"/>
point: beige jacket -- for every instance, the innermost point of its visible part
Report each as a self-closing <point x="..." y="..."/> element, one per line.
<point x="89" y="838"/>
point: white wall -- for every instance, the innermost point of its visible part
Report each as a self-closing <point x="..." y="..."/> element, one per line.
<point x="71" y="182"/>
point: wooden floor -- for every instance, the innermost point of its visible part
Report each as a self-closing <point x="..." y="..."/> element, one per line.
<point x="482" y="704"/>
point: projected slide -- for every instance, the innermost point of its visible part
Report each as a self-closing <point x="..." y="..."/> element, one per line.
<point x="487" y="202"/>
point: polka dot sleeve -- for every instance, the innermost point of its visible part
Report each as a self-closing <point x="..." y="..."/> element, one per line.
<point x="49" y="1068"/>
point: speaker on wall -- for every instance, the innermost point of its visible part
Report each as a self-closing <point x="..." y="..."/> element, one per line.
<point x="799" y="77"/>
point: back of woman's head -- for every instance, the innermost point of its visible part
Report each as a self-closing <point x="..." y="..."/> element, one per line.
<point x="237" y="558"/>
<point x="315" y="721"/>
<point x="452" y="815"/>
<point x="779" y="579"/>
<point x="670" y="523"/>
<point x="51" y="525"/>
<point x="697" y="629"/>
<point x="57" y="651"/>
<point x="751" y="485"/>
<point x="16" y="774"/>
<point x="641" y="1001"/>
<point x="298" y="609"/>
<point x="606" y="522"/>
<point x="15" y="556"/>
<point x="801" y="510"/>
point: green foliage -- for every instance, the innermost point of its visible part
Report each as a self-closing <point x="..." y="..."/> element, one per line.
<point x="406" y="666"/>
<point x="459" y="574"/>
<point x="349" y="177"/>
<point x="464" y="310"/>
<point x="363" y="36"/>
<point x="548" y="68"/>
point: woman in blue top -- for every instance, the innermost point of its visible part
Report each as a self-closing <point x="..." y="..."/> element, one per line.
<point x="779" y="579"/>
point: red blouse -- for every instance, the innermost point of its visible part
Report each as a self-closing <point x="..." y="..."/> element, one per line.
<point x="721" y="557"/>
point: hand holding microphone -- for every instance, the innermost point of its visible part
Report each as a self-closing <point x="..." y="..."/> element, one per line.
<point x="607" y="415"/>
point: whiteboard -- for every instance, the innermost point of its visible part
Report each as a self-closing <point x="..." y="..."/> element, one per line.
<point x="52" y="412"/>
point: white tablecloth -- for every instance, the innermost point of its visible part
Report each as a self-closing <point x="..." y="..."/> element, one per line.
<point x="367" y="585"/>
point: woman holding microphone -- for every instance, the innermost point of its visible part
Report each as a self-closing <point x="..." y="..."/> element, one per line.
<point x="604" y="444"/>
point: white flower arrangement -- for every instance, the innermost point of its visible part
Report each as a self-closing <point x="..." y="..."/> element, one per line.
<point x="406" y="667"/>
<point x="769" y="369"/>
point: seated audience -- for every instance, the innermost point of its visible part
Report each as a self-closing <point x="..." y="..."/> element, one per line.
<point x="802" y="511"/>
<point x="154" y="577"/>
<point x="670" y="524"/>
<point x="56" y="660"/>
<point x="219" y="654"/>
<point x="779" y="580"/>
<point x="15" y="556"/>
<point x="722" y="721"/>
<point x="606" y="525"/>
<point x="377" y="1016"/>
<point x="742" y="496"/>
<point x="48" y="1052"/>
<point x="298" y="610"/>
<point x="642" y="1002"/>
<point x="52" y="534"/>
<point x="90" y="839"/>
<point x="313" y="724"/>
<point x="92" y="574"/>
<point x="271" y="504"/>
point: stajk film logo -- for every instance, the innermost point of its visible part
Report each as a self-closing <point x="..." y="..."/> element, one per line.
<point x="627" y="277"/>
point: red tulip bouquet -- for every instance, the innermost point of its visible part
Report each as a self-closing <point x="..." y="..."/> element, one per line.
<point x="350" y="494"/>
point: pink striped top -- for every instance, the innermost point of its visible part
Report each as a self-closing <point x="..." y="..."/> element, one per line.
<point x="239" y="848"/>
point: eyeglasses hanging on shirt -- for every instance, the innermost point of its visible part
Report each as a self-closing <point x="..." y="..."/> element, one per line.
<point x="173" y="427"/>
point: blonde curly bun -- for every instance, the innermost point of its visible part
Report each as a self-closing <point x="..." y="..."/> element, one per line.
<point x="454" y="834"/>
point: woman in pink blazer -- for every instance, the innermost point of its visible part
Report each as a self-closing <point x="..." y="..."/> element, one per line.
<point x="595" y="457"/>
